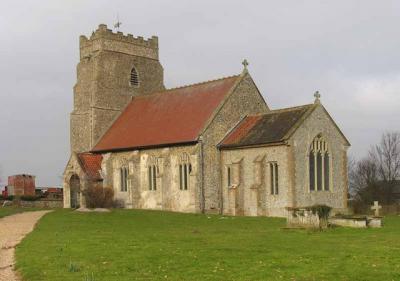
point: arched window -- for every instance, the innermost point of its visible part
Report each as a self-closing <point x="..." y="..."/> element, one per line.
<point x="152" y="171"/>
<point x="124" y="173"/>
<point x="134" y="81"/>
<point x="274" y="178"/>
<point x="319" y="165"/>
<point x="185" y="168"/>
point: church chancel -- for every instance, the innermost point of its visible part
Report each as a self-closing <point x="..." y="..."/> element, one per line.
<point x="214" y="146"/>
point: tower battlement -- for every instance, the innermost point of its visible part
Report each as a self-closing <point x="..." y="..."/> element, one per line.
<point x="113" y="67"/>
<point x="104" y="39"/>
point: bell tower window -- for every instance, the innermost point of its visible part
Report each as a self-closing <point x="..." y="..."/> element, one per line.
<point x="134" y="81"/>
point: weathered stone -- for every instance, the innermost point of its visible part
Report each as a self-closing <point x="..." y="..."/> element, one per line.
<point x="102" y="92"/>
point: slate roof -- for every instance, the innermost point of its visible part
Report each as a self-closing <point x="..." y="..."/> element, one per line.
<point x="91" y="164"/>
<point x="268" y="128"/>
<point x="174" y="116"/>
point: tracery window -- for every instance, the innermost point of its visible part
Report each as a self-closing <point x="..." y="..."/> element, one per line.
<point x="319" y="165"/>
<point x="185" y="168"/>
<point x="134" y="81"/>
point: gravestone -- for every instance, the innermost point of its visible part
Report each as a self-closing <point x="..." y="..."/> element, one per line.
<point x="376" y="207"/>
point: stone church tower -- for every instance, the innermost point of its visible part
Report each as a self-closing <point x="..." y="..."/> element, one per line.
<point x="112" y="69"/>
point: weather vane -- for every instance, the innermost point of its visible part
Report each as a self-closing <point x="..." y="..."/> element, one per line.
<point x="118" y="23"/>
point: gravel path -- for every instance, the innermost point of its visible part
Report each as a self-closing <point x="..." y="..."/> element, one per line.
<point x="12" y="230"/>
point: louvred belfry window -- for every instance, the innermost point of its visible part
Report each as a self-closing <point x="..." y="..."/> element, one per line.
<point x="134" y="81"/>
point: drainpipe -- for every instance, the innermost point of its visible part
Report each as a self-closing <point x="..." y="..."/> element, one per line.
<point x="202" y="199"/>
<point x="220" y="191"/>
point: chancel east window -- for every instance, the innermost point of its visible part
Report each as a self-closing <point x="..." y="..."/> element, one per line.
<point x="124" y="173"/>
<point x="274" y="177"/>
<point x="152" y="174"/>
<point x="134" y="81"/>
<point x="319" y="165"/>
<point x="185" y="168"/>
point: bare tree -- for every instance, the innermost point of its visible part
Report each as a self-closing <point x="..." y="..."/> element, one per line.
<point x="374" y="177"/>
<point x="362" y="173"/>
<point x="386" y="155"/>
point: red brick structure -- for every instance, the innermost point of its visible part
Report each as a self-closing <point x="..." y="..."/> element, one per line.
<point x="21" y="185"/>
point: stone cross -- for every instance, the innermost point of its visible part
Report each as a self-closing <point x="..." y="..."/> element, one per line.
<point x="376" y="208"/>
<point x="245" y="63"/>
<point x="317" y="96"/>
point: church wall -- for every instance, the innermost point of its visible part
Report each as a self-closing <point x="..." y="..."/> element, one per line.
<point x="243" y="101"/>
<point x="250" y="190"/>
<point x="319" y="122"/>
<point x="167" y="195"/>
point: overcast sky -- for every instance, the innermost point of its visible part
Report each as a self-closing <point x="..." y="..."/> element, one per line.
<point x="348" y="50"/>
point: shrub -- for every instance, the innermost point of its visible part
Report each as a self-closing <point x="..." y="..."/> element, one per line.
<point x="322" y="211"/>
<point x="97" y="196"/>
<point x="118" y="203"/>
<point x="8" y="198"/>
<point x="29" y="198"/>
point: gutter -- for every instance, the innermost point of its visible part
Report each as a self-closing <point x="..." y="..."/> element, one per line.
<point x="143" y="147"/>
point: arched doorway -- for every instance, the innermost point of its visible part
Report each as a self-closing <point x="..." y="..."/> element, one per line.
<point x="75" y="187"/>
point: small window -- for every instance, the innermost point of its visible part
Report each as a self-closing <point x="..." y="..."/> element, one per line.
<point x="124" y="172"/>
<point x="134" y="81"/>
<point x="229" y="176"/>
<point x="274" y="178"/>
<point x="184" y="172"/>
<point x="152" y="173"/>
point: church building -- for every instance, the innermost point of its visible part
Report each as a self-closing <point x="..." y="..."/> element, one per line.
<point x="213" y="147"/>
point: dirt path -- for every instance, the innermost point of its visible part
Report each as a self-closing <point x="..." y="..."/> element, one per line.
<point x="12" y="230"/>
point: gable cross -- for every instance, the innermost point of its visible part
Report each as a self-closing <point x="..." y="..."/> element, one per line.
<point x="376" y="208"/>
<point x="317" y="96"/>
<point x="245" y="64"/>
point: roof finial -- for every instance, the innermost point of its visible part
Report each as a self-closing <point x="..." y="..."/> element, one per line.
<point x="317" y="96"/>
<point x="245" y="64"/>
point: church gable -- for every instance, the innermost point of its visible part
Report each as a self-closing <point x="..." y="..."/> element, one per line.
<point x="317" y="121"/>
<point x="175" y="116"/>
<point x="244" y="99"/>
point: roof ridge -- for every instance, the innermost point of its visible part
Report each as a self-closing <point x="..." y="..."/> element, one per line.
<point x="203" y="82"/>
<point x="285" y="109"/>
<point x="188" y="85"/>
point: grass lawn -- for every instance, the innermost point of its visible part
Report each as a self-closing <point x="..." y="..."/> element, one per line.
<point x="151" y="245"/>
<point x="6" y="211"/>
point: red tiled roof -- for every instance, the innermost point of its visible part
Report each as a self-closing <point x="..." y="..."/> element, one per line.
<point x="91" y="164"/>
<point x="169" y="117"/>
<point x="271" y="127"/>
